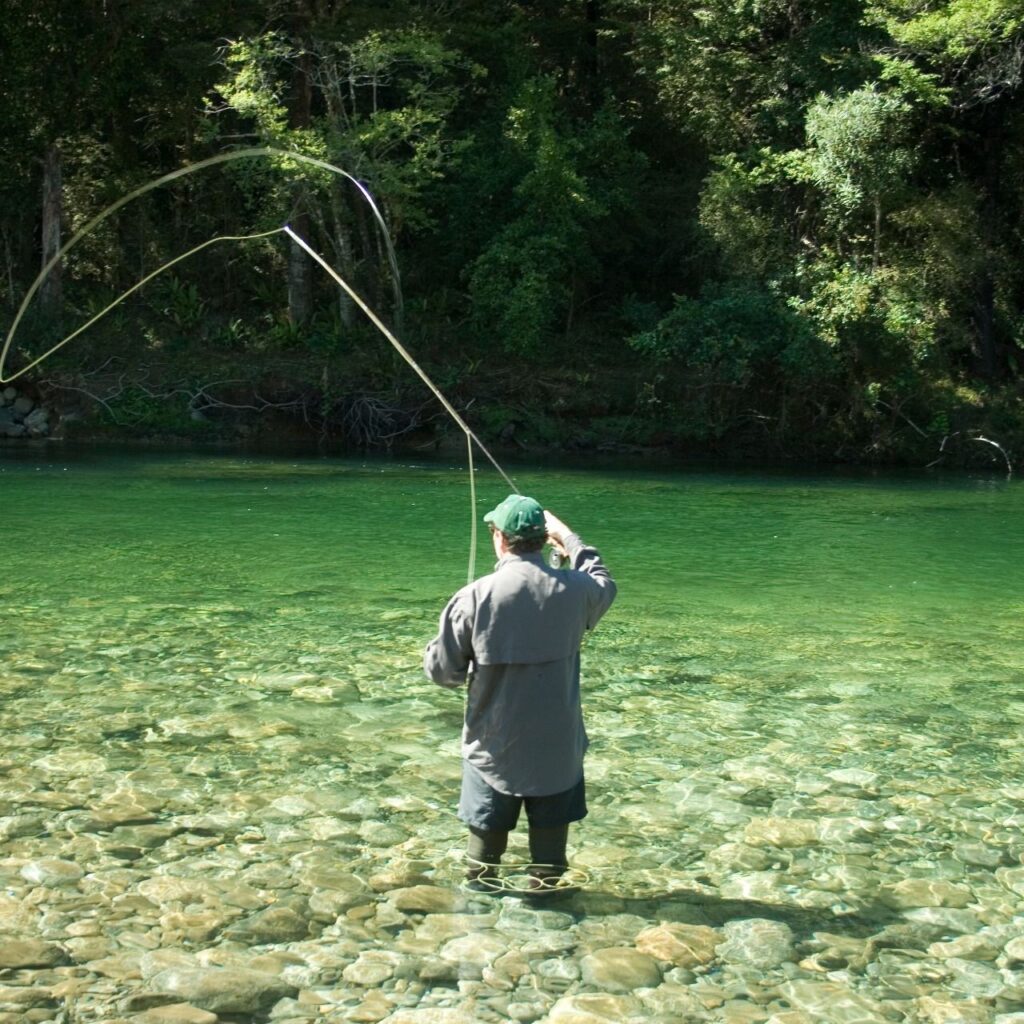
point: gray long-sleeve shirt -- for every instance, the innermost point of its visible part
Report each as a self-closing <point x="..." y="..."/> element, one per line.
<point x="516" y="635"/>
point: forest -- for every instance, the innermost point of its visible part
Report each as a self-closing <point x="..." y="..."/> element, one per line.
<point x="764" y="229"/>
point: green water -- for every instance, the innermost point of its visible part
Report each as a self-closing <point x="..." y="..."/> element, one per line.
<point x="224" y="632"/>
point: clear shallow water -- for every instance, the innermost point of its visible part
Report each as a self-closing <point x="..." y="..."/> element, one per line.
<point x="805" y="708"/>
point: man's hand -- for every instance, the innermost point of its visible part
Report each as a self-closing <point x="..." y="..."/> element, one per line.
<point x="557" y="531"/>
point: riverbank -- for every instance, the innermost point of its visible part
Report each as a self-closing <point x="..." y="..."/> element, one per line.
<point x="550" y="411"/>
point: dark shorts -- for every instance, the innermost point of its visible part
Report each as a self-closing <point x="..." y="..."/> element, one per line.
<point x="482" y="806"/>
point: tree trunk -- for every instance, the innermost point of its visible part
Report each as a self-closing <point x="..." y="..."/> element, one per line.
<point x="343" y="254"/>
<point x="50" y="289"/>
<point x="984" y="323"/>
<point x="300" y="275"/>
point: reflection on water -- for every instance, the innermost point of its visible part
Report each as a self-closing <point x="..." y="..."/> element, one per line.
<point x="220" y="758"/>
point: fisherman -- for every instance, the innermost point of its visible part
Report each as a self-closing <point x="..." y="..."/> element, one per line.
<point x="515" y="636"/>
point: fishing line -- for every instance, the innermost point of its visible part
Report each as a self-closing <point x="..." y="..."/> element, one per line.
<point x="421" y="373"/>
<point x="221" y="158"/>
<point x="253" y="152"/>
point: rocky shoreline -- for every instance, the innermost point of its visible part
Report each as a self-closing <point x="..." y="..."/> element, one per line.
<point x="22" y="416"/>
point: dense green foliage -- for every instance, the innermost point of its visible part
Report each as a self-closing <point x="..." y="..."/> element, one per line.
<point x="785" y="228"/>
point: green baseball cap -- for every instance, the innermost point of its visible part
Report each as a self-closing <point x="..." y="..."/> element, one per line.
<point x="518" y="516"/>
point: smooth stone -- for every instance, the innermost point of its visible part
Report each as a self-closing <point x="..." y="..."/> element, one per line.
<point x="431" y="1015"/>
<point x="327" y="905"/>
<point x="372" y="968"/>
<point x="757" y="942"/>
<point x="1014" y="949"/>
<point x="78" y="763"/>
<point x="151" y="964"/>
<point x="37" y="419"/>
<point x="165" y="889"/>
<point x="374" y="1007"/>
<point x="594" y="1008"/>
<point x="979" y="855"/>
<point x="275" y="924"/>
<point x="223" y="990"/>
<point x="26" y="997"/>
<point x="912" y="893"/>
<point x="524" y="919"/>
<point x="966" y="947"/>
<point x="558" y="970"/>
<point x="52" y="872"/>
<point x="10" y="395"/>
<point x="199" y="926"/>
<point x="787" y="833"/>
<point x="401" y="877"/>
<point x="681" y="945"/>
<point x="25" y="953"/>
<point x="933" y="1010"/>
<point x="1012" y="878"/>
<point x="857" y="777"/>
<point x="525" y="1012"/>
<point x="759" y="886"/>
<point x="424" y="899"/>
<point x="438" y="928"/>
<point x="832" y="1002"/>
<point x="672" y="1001"/>
<point x="973" y="979"/>
<point x="175" y="1013"/>
<point x="17" y="826"/>
<point x="733" y="857"/>
<point x="23" y="405"/>
<point x="944" y="918"/>
<point x="474" y="950"/>
<point x="617" y="969"/>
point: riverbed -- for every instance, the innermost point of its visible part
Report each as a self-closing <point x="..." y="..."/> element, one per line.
<point x="227" y="792"/>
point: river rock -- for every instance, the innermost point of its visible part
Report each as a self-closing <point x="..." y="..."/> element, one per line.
<point x="23" y="405"/>
<point x="681" y="945"/>
<point x="945" y="919"/>
<point x="617" y="969"/>
<point x="372" y="968"/>
<point x="19" y="825"/>
<point x="275" y="924"/>
<point x="943" y="1010"/>
<point x="431" y="1015"/>
<point x="979" y="855"/>
<point x="424" y="899"/>
<point x="1014" y="949"/>
<point x="224" y="989"/>
<point x="973" y="979"/>
<point x="832" y="1002"/>
<point x="965" y="947"/>
<point x="37" y="422"/>
<point x="175" y="1013"/>
<point x="788" y="833"/>
<point x="757" y="942"/>
<point x="23" y="953"/>
<point x="594" y="1008"/>
<point x="52" y="872"/>
<point x="474" y="951"/>
<point x="1012" y="878"/>
<point x="910" y="893"/>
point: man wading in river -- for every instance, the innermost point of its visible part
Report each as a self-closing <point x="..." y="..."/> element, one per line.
<point x="516" y="634"/>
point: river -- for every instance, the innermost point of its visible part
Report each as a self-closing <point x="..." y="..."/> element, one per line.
<point x="224" y="782"/>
